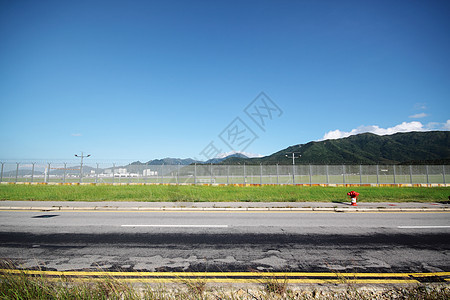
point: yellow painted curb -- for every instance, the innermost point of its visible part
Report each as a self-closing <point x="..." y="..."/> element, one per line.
<point x="237" y="277"/>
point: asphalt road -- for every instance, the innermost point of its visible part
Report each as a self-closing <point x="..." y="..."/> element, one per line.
<point x="226" y="241"/>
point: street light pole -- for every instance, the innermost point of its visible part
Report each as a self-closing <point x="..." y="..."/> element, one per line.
<point x="81" y="164"/>
<point x="293" y="164"/>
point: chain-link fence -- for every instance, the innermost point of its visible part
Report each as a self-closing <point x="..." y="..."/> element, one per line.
<point x="112" y="173"/>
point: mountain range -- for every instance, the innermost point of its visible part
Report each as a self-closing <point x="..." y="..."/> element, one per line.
<point x="187" y="161"/>
<point x="430" y="147"/>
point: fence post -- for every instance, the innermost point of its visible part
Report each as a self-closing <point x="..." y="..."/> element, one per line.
<point x="96" y="175"/>
<point x="260" y="175"/>
<point x="81" y="171"/>
<point x="360" y="174"/>
<point x="157" y="175"/>
<point x="47" y="177"/>
<point x="1" y="173"/>
<point x="195" y="173"/>
<point x="129" y="176"/>
<point x="245" y="176"/>
<point x="293" y="173"/>
<point x="64" y="175"/>
<point x="277" y="175"/>
<point x="162" y="173"/>
<point x="426" y="168"/>
<point x="343" y="174"/>
<point x="310" y="175"/>
<point x="32" y="172"/>
<point x="17" y="172"/>
<point x="377" y="175"/>
<point x="328" y="180"/>
<point x="114" y="166"/>
<point x="211" y="173"/>
<point x="410" y="174"/>
<point x="443" y="174"/>
<point x="394" y="173"/>
<point x="228" y="174"/>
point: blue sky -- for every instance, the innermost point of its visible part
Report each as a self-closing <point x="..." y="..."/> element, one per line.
<point x="141" y="80"/>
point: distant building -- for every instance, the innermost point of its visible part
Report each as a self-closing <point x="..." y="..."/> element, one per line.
<point x="120" y="171"/>
<point x="148" y="172"/>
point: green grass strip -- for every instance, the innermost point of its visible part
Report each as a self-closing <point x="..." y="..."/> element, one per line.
<point x="158" y="193"/>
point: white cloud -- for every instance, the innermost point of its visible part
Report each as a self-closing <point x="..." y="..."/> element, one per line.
<point x="435" y="126"/>
<point x="76" y="134"/>
<point x="420" y="106"/>
<point x="403" y="127"/>
<point x="248" y="154"/>
<point x="446" y="125"/>
<point x="418" y="116"/>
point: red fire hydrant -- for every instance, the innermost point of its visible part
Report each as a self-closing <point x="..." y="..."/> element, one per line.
<point x="353" y="195"/>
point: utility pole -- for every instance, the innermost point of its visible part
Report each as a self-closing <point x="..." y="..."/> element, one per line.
<point x="293" y="163"/>
<point x="81" y="164"/>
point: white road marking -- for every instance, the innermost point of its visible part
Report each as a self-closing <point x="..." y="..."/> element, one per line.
<point x="178" y="226"/>
<point x="424" y="227"/>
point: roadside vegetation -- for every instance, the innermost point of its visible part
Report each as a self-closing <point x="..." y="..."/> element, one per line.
<point x="24" y="286"/>
<point x="188" y="193"/>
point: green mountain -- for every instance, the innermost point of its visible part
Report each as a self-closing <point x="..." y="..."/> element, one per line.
<point x="432" y="147"/>
<point x="167" y="161"/>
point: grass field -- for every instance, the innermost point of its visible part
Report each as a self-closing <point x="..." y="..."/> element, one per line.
<point x="173" y="193"/>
